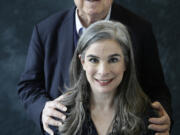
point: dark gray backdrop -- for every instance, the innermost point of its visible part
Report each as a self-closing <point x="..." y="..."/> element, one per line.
<point x="17" y="18"/>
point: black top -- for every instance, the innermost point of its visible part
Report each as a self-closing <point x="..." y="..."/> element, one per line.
<point x="90" y="129"/>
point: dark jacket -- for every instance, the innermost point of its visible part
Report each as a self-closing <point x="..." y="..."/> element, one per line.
<point x="51" y="49"/>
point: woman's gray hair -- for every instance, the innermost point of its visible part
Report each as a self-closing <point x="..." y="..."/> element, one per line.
<point x="103" y="30"/>
<point x="130" y="100"/>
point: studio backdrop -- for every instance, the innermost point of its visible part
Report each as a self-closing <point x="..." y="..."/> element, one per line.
<point x="17" y="19"/>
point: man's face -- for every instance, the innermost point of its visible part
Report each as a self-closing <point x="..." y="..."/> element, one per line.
<point x="93" y="7"/>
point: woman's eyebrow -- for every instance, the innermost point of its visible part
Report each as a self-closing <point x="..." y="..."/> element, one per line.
<point x="114" y="55"/>
<point x="91" y="55"/>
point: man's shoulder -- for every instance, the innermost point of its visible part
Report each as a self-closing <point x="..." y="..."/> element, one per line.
<point x="55" y="20"/>
<point x="128" y="17"/>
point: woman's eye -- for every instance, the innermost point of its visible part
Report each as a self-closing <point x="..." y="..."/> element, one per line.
<point x="113" y="60"/>
<point x="93" y="60"/>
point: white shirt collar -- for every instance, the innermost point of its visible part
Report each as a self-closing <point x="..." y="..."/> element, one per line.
<point x="79" y="24"/>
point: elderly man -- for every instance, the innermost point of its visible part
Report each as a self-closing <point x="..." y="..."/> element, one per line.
<point x="51" y="49"/>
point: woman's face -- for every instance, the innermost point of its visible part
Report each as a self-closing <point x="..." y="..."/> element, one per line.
<point x="104" y="66"/>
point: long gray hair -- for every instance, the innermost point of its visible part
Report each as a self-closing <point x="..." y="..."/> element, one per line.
<point x="131" y="102"/>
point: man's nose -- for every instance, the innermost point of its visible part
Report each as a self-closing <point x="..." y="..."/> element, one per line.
<point x="103" y="68"/>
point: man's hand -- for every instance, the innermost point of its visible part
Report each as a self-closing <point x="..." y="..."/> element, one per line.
<point x="49" y="111"/>
<point x="162" y="124"/>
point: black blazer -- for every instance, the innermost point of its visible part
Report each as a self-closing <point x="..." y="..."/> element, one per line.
<point x="51" y="49"/>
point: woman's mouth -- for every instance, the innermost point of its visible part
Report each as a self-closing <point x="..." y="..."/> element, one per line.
<point x="104" y="82"/>
<point x="92" y="0"/>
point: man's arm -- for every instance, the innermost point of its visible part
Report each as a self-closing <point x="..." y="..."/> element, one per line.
<point x="31" y="88"/>
<point x="153" y="83"/>
<point x="152" y="77"/>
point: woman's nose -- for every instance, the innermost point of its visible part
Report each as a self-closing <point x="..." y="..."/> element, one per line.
<point x="103" y="68"/>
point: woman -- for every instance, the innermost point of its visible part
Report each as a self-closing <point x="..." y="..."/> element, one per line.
<point x="104" y="95"/>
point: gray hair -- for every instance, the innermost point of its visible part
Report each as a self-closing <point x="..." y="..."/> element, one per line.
<point x="131" y="102"/>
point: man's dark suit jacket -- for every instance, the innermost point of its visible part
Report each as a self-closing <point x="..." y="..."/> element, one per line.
<point x="52" y="47"/>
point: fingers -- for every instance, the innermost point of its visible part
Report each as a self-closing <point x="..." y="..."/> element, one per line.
<point x="50" y="121"/>
<point x="159" y="124"/>
<point x="50" y="112"/>
<point x="163" y="116"/>
<point x="159" y="128"/>
<point x="56" y="114"/>
<point x="47" y="119"/>
<point x="48" y="130"/>
<point x="56" y="104"/>
<point x="164" y="133"/>
<point x="156" y="105"/>
<point x="159" y="121"/>
<point x="162" y="123"/>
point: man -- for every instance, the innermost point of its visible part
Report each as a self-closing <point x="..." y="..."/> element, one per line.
<point x="51" y="49"/>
